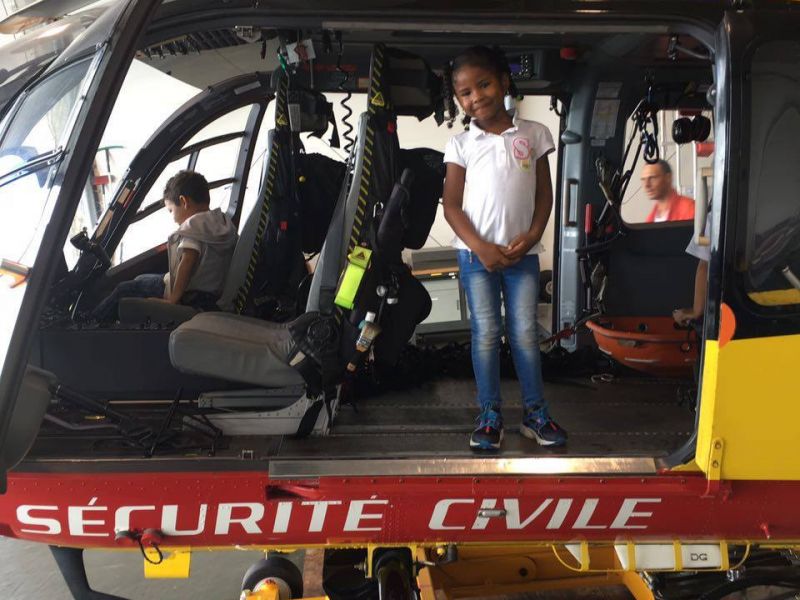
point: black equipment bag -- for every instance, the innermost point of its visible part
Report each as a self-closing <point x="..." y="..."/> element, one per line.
<point x="424" y="194"/>
<point x="319" y="181"/>
<point x="413" y="88"/>
<point x="310" y="112"/>
<point x="301" y="204"/>
<point x="398" y="321"/>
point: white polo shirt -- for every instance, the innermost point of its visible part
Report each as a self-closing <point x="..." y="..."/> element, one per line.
<point x="501" y="178"/>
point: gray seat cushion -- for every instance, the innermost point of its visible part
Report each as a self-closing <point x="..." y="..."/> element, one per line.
<point x="142" y="310"/>
<point x="235" y="348"/>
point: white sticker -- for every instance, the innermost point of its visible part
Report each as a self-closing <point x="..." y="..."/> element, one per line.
<point x="301" y="51"/>
<point x="608" y="89"/>
<point x="604" y="119"/>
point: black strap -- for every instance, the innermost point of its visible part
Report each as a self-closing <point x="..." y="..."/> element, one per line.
<point x="335" y="133"/>
<point x="309" y="419"/>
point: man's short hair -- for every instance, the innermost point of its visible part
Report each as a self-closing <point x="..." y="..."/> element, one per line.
<point x="666" y="168"/>
<point x="189" y="184"/>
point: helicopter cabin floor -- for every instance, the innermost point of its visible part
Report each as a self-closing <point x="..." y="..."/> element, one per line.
<point x="629" y="416"/>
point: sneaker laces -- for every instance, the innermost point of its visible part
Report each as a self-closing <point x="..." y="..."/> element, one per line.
<point x="537" y="415"/>
<point x="489" y="418"/>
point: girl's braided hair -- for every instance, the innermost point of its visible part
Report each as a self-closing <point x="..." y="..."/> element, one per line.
<point x="490" y="58"/>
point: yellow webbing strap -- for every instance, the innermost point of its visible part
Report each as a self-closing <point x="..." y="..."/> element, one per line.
<point x="357" y="263"/>
<point x="269" y="188"/>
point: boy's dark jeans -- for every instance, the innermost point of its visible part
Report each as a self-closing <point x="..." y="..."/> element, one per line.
<point x="149" y="286"/>
<point x="143" y="286"/>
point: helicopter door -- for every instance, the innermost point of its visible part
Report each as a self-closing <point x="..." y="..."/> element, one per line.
<point x="48" y="139"/>
<point x="749" y="411"/>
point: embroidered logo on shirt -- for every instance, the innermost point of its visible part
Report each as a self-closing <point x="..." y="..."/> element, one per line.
<point x="522" y="152"/>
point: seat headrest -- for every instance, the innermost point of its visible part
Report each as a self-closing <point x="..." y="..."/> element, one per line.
<point x="407" y="84"/>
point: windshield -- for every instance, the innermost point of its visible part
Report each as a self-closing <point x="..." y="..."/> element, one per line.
<point x="38" y="127"/>
<point x="23" y="58"/>
<point x="30" y="138"/>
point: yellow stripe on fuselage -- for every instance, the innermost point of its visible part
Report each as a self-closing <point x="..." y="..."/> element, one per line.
<point x="776" y="297"/>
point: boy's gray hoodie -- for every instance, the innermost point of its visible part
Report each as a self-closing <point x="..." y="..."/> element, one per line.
<point x="214" y="236"/>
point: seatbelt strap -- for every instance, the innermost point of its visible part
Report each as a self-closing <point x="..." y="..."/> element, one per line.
<point x="309" y="419"/>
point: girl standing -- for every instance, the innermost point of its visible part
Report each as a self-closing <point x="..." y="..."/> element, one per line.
<point x="497" y="198"/>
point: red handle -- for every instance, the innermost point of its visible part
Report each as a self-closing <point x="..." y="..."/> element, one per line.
<point x="588" y="221"/>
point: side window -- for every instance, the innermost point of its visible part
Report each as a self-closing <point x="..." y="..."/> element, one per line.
<point x="137" y="115"/>
<point x="656" y="194"/>
<point x="257" y="165"/>
<point x="153" y="229"/>
<point x="213" y="152"/>
<point x="773" y="221"/>
<point x="217" y="164"/>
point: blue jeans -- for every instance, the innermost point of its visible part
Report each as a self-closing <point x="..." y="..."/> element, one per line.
<point x="518" y="286"/>
<point x="143" y="286"/>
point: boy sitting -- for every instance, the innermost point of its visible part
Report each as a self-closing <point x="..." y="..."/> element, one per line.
<point x="199" y="252"/>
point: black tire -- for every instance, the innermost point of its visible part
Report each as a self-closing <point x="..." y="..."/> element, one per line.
<point x="546" y="286"/>
<point x="275" y="567"/>
<point x="341" y="580"/>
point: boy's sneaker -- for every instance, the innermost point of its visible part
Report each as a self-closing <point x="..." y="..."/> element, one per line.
<point x="489" y="434"/>
<point x="539" y="426"/>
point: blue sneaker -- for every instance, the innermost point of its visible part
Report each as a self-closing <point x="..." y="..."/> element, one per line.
<point x="539" y="426"/>
<point x="489" y="434"/>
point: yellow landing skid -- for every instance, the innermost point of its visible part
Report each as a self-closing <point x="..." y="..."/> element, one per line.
<point x="483" y="571"/>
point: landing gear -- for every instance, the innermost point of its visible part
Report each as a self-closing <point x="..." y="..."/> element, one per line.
<point x="395" y="575"/>
<point x="344" y="576"/>
<point x="70" y="563"/>
<point x="393" y="578"/>
<point x="277" y="573"/>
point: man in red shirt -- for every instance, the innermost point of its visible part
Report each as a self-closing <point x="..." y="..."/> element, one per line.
<point x="669" y="205"/>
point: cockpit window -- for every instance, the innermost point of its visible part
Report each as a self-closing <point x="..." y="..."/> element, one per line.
<point x="773" y="240"/>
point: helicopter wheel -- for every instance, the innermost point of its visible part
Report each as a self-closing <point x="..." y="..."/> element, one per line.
<point x="276" y="570"/>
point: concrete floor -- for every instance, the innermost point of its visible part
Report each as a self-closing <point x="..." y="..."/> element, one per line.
<point x="28" y="571"/>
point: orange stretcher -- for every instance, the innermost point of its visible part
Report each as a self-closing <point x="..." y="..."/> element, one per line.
<point x="654" y="345"/>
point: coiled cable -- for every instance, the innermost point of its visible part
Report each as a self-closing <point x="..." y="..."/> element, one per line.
<point x="347" y="132"/>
